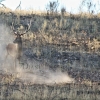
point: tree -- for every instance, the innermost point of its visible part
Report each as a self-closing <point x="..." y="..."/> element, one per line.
<point x="52" y="7"/>
<point x="89" y="5"/>
<point x="2" y="4"/>
<point x="63" y="11"/>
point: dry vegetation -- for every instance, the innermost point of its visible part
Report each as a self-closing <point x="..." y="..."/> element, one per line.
<point x="69" y="42"/>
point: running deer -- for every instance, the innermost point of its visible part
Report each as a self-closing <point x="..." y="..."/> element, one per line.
<point x="15" y="49"/>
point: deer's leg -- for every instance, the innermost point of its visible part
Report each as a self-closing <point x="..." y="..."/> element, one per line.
<point x="5" y="61"/>
<point x="15" y="63"/>
<point x="6" y="56"/>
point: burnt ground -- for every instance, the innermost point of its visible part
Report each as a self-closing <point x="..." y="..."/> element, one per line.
<point x="79" y="65"/>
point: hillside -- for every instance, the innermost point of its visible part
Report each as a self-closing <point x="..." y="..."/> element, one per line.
<point x="52" y="45"/>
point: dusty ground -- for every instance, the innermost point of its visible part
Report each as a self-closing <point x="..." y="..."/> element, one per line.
<point x="67" y="73"/>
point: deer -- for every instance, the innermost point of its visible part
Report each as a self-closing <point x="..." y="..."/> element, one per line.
<point x="15" y="49"/>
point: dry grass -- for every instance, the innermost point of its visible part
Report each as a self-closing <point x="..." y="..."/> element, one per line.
<point x="62" y="41"/>
<point x="5" y="10"/>
<point x="22" y="12"/>
<point x="38" y="12"/>
<point x="29" y="12"/>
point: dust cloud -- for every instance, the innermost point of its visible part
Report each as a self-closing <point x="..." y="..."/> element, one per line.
<point x="36" y="73"/>
<point x="5" y="37"/>
<point x="43" y="76"/>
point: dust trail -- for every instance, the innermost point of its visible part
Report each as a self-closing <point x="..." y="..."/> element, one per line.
<point x="41" y="74"/>
<point x="5" y="37"/>
<point x="38" y="73"/>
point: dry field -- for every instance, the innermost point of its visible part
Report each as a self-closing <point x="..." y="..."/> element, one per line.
<point x="60" y="60"/>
